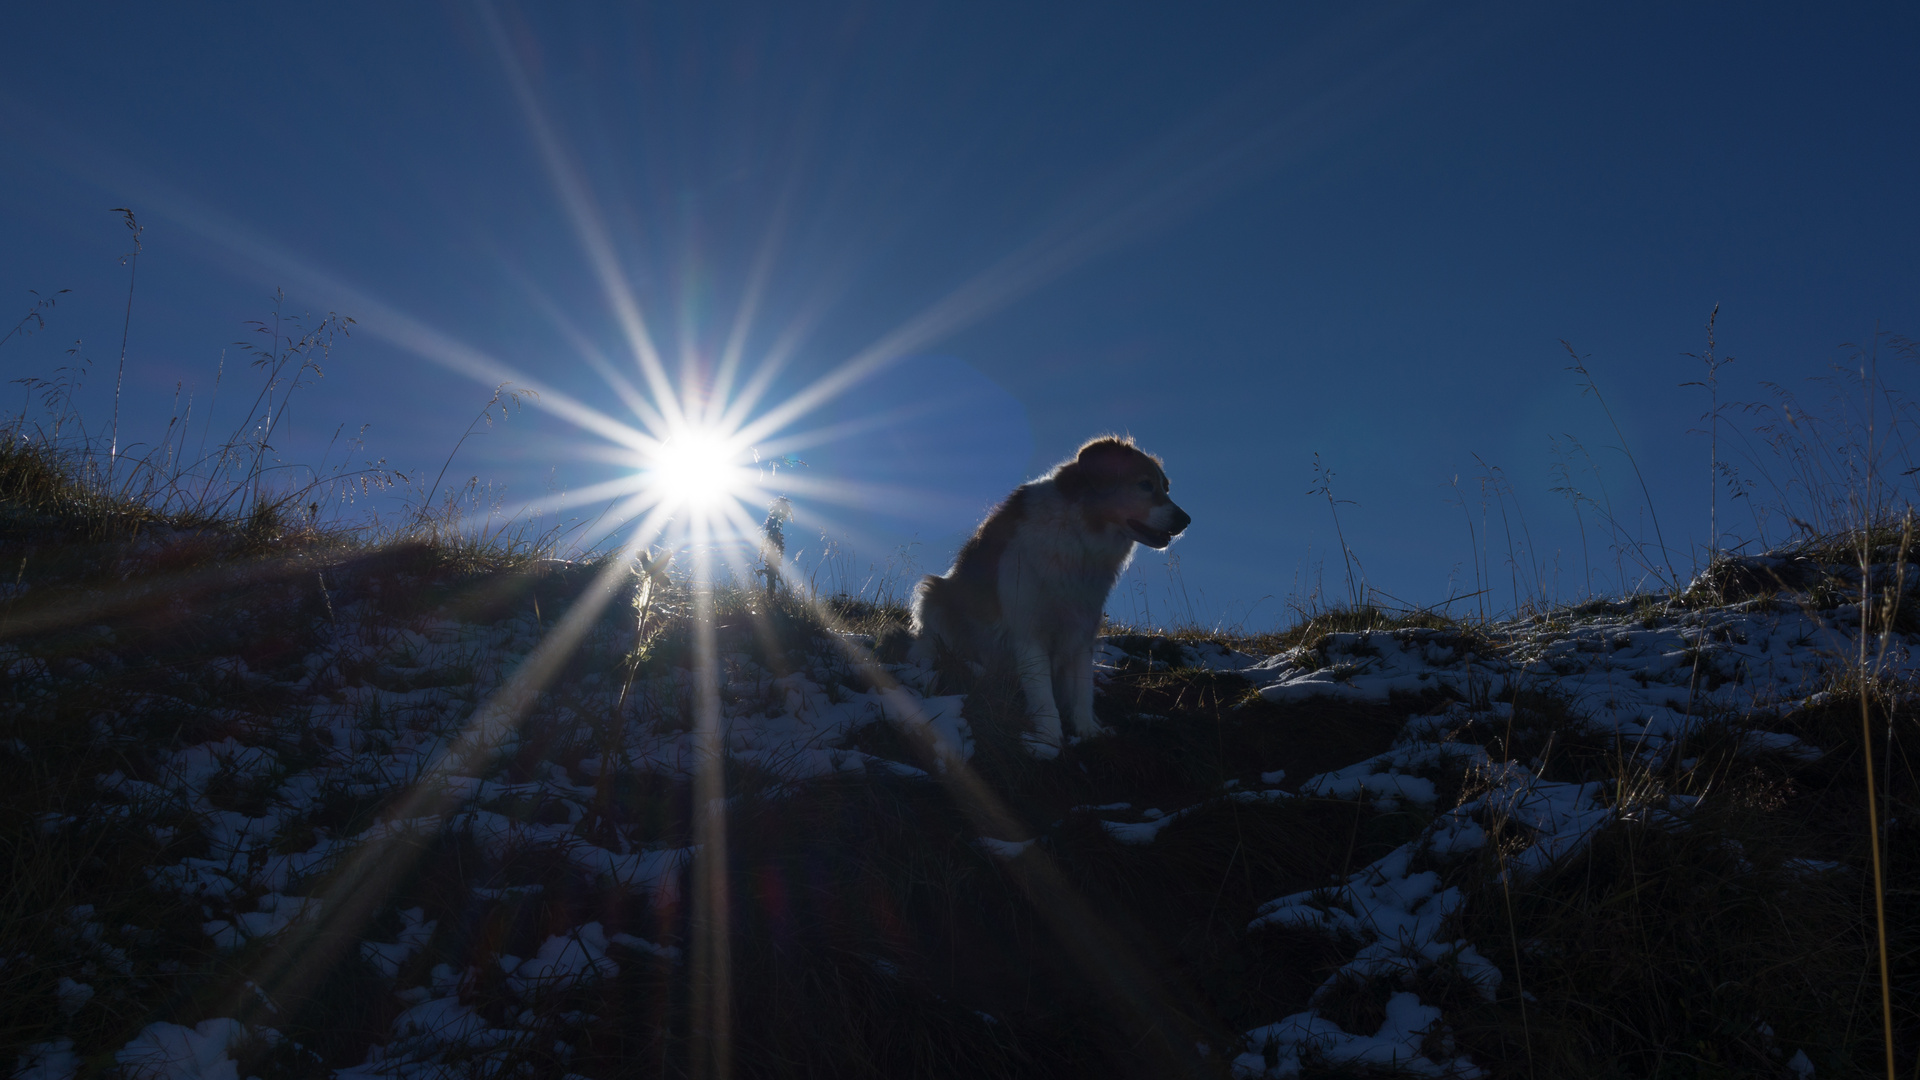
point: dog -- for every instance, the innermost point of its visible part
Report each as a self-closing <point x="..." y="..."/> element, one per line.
<point x="1034" y="579"/>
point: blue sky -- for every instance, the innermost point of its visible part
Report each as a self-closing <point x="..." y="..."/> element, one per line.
<point x="1245" y="235"/>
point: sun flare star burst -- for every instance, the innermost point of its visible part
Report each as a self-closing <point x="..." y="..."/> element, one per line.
<point x="704" y="465"/>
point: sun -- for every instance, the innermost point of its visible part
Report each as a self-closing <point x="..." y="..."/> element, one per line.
<point x="696" y="468"/>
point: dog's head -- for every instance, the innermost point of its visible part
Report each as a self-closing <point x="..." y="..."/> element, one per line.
<point x="1118" y="485"/>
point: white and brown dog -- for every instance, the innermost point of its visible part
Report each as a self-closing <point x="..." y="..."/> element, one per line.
<point x="1034" y="578"/>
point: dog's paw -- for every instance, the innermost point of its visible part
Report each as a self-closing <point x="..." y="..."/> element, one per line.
<point x="1040" y="746"/>
<point x="898" y="645"/>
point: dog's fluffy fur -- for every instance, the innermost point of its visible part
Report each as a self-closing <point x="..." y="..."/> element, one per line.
<point x="1034" y="579"/>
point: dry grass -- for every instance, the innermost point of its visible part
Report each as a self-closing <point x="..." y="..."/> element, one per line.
<point x="1716" y="943"/>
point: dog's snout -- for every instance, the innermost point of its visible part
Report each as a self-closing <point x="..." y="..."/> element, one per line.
<point x="1181" y="519"/>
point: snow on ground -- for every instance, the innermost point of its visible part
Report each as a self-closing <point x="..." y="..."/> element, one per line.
<point x="399" y="709"/>
<point x="383" y="741"/>
<point x="174" y="1052"/>
<point x="1647" y="680"/>
<point x="417" y="718"/>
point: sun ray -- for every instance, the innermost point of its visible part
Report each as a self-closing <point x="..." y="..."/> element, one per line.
<point x="1132" y="206"/>
<point x="623" y="512"/>
<point x="353" y="894"/>
<point x="825" y="284"/>
<point x="424" y="341"/>
<point x="742" y="521"/>
<point x="895" y="497"/>
<point x="27" y="619"/>
<point x="619" y="486"/>
<point x="629" y="394"/>
<point x="588" y="224"/>
<point x="735" y="556"/>
<point x="382" y="320"/>
<point x="1103" y="954"/>
<point x="874" y="420"/>
<point x="757" y="277"/>
<point x="772" y="363"/>
<point x="978" y="297"/>
<point x="712" y="953"/>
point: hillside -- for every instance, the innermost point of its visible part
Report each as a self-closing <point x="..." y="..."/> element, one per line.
<point x="285" y="807"/>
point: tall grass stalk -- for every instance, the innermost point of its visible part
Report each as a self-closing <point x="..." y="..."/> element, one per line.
<point x="1563" y="475"/>
<point x="1473" y="547"/>
<point x="1713" y="363"/>
<point x="1323" y="486"/>
<point x="1590" y="386"/>
<point x="131" y="261"/>
<point x="1866" y="501"/>
<point x="1868" y="669"/>
<point x="502" y="397"/>
<point x="1493" y="479"/>
<point x="1812" y="459"/>
<point x="35" y="318"/>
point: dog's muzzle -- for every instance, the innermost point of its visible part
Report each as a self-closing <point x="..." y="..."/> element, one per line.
<point x="1159" y="538"/>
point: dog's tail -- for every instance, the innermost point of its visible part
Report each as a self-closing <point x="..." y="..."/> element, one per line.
<point x="932" y="618"/>
<point x="929" y="599"/>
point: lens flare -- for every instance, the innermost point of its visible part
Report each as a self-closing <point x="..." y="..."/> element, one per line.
<point x="699" y="459"/>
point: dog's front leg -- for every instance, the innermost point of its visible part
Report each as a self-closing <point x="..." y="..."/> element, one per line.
<point x="1036" y="680"/>
<point x="1074" y="678"/>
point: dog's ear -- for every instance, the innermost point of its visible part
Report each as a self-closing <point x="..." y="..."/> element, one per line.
<point x="1109" y="456"/>
<point x="1102" y="463"/>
